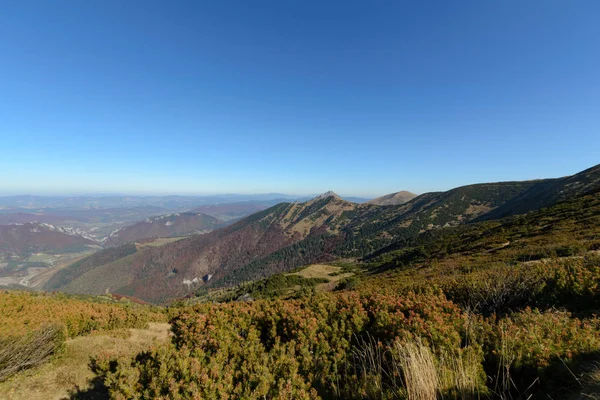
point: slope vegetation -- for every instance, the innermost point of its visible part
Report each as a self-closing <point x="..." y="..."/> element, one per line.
<point x="325" y="228"/>
<point x="440" y="304"/>
<point x="499" y="309"/>
<point x="548" y="192"/>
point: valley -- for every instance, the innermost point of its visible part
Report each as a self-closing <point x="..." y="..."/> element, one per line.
<point x="40" y="235"/>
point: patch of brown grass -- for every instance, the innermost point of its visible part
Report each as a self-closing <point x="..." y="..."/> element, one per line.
<point x="158" y="242"/>
<point x="410" y="369"/>
<point x="329" y="272"/>
<point x="418" y="367"/>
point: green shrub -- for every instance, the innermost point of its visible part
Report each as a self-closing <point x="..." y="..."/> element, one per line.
<point x="497" y="291"/>
<point x="349" y="283"/>
<point x="569" y="250"/>
<point x="572" y="284"/>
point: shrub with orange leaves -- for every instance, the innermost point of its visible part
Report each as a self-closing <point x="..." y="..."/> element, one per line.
<point x="298" y="348"/>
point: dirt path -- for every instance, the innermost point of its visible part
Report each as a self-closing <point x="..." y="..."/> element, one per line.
<point x="69" y="372"/>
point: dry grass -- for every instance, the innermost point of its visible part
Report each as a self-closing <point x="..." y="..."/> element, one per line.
<point x="418" y="366"/>
<point x="459" y="374"/>
<point x="323" y="271"/>
<point x="70" y="372"/>
<point x="591" y="385"/>
<point x="370" y="364"/>
<point x="411" y="370"/>
<point x="159" y="242"/>
<point x="318" y="271"/>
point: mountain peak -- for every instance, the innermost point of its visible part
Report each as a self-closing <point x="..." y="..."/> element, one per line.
<point x="393" y="198"/>
<point x="329" y="193"/>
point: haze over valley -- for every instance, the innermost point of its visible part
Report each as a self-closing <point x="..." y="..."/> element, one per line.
<point x="39" y="232"/>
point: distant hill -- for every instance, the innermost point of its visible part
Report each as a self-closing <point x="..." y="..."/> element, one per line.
<point x="289" y="235"/>
<point x="393" y="198"/>
<point x="229" y="211"/>
<point x="169" y="225"/>
<point x="564" y="229"/>
<point x="27" y="238"/>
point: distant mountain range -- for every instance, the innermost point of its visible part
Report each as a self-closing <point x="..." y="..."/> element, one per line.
<point x="169" y="225"/>
<point x="100" y="216"/>
<point x="116" y="201"/>
<point x="38" y="224"/>
<point x="289" y="235"/>
<point x="230" y="211"/>
<point x="9" y="204"/>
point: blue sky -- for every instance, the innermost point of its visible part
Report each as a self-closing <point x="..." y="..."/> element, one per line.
<point x="364" y="98"/>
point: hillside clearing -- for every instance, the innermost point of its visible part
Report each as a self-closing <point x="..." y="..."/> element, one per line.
<point x="158" y="242"/>
<point x="330" y="272"/>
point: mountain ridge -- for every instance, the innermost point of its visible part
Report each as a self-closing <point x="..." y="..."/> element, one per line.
<point x="289" y="235"/>
<point x="396" y="198"/>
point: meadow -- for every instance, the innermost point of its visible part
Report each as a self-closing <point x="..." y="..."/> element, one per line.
<point x="35" y="327"/>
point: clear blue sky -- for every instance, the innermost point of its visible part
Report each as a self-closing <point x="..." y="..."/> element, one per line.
<point x="360" y="97"/>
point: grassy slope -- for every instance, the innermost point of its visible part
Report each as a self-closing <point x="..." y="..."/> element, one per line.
<point x="79" y="268"/>
<point x="83" y="326"/>
<point x="106" y="278"/>
<point x="549" y="192"/>
<point x="70" y="372"/>
<point x="314" y="277"/>
<point x="566" y="229"/>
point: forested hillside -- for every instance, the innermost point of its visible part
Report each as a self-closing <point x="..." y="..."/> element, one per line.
<point x="289" y="235"/>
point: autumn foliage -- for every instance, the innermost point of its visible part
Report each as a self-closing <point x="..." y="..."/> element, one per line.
<point x="284" y="349"/>
<point x="363" y="344"/>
